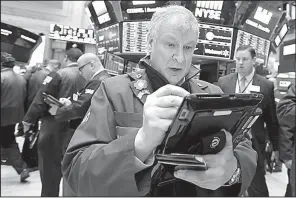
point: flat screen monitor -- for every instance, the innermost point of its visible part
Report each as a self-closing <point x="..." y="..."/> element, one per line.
<point x="134" y="36"/>
<point x="214" y="41"/>
<point x="262" y="21"/>
<point x="139" y="10"/>
<point x="260" y="45"/>
<point x="113" y="64"/>
<point x="108" y="39"/>
<point x="216" y="12"/>
<point x="102" y="13"/>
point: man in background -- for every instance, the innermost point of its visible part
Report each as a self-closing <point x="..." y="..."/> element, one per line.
<point x="245" y="80"/>
<point x="30" y="155"/>
<point x="13" y="94"/>
<point x="286" y="112"/>
<point x="53" y="135"/>
<point x="93" y="71"/>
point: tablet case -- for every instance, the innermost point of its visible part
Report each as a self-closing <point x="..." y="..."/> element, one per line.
<point x="49" y="99"/>
<point x="204" y="115"/>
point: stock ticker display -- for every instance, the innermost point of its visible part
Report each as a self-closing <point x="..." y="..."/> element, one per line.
<point x="113" y="64"/>
<point x="261" y="45"/>
<point x="134" y="36"/>
<point x="67" y="33"/>
<point x="214" y="41"/>
<point x="108" y="39"/>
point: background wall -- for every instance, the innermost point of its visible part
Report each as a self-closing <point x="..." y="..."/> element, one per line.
<point x="36" y="16"/>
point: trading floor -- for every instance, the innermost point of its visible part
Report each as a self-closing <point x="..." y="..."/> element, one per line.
<point x="10" y="185"/>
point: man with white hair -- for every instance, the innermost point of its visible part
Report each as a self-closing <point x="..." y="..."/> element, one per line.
<point x="112" y="152"/>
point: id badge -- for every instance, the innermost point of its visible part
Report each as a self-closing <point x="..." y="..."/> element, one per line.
<point x="75" y="97"/>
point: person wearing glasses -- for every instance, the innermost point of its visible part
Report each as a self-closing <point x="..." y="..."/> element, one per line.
<point x="112" y="151"/>
<point x="245" y="80"/>
<point x="93" y="71"/>
<point x="54" y="135"/>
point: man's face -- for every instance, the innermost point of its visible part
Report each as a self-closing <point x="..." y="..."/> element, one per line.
<point x="86" y="69"/>
<point x="172" y="51"/>
<point x="244" y="62"/>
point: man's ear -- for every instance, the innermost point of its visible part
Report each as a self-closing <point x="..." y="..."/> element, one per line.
<point x="149" y="47"/>
<point x="254" y="61"/>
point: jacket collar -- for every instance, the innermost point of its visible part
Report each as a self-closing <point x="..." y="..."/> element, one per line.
<point x="72" y="65"/>
<point x="140" y="76"/>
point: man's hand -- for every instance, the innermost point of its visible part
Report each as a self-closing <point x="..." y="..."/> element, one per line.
<point x="288" y="164"/>
<point x="221" y="167"/>
<point x="53" y="109"/>
<point x="159" y="110"/>
<point x="65" y="101"/>
<point x="275" y="156"/>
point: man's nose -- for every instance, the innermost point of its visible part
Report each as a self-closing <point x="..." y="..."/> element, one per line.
<point x="179" y="56"/>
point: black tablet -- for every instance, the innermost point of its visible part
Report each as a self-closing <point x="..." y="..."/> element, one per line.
<point x="201" y="115"/>
<point x="51" y="100"/>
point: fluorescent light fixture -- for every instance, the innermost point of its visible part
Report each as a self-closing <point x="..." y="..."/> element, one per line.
<point x="277" y="40"/>
<point x="283" y="31"/>
<point x="289" y="49"/>
<point x="28" y="39"/>
<point x="143" y="2"/>
<point x="100" y="7"/>
<point x="6" y="31"/>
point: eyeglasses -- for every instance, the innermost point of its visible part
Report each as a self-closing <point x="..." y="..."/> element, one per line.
<point x="80" y="68"/>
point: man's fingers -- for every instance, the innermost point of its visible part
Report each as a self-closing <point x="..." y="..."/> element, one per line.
<point x="165" y="113"/>
<point x="169" y="101"/>
<point x="162" y="124"/>
<point x="205" y="179"/>
<point x="171" y="90"/>
<point x="228" y="135"/>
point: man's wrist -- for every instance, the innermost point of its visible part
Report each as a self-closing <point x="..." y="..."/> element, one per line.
<point x="142" y="150"/>
<point x="236" y="177"/>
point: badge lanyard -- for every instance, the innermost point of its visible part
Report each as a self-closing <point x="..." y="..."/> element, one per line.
<point x="245" y="87"/>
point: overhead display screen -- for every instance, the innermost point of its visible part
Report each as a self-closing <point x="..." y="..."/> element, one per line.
<point x="217" y="12"/>
<point x="215" y="41"/>
<point x="108" y="39"/>
<point x="67" y="33"/>
<point x="18" y="42"/>
<point x="137" y="10"/>
<point x="113" y="64"/>
<point x="134" y="37"/>
<point x="102" y="13"/>
<point x="261" y="45"/>
<point x="262" y="21"/>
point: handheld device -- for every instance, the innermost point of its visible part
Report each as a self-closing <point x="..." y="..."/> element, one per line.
<point x="49" y="99"/>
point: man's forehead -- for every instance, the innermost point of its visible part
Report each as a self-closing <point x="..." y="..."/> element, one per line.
<point x="244" y="53"/>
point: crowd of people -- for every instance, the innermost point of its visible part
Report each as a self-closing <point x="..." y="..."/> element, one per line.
<point x="102" y="139"/>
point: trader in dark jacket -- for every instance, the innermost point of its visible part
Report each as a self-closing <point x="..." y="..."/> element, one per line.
<point x="34" y="84"/>
<point x="111" y="152"/>
<point x="247" y="81"/>
<point x="91" y="69"/>
<point x="13" y="94"/>
<point x="286" y="112"/>
<point x="53" y="135"/>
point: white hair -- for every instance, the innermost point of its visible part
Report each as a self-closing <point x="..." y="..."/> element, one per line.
<point x="186" y="20"/>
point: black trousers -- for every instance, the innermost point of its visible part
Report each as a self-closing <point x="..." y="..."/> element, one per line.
<point x="258" y="187"/>
<point x="53" y="139"/>
<point x="30" y="155"/>
<point x="289" y="187"/>
<point x="10" y="148"/>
